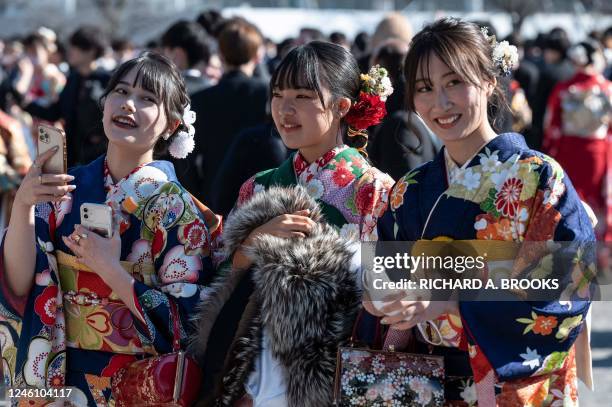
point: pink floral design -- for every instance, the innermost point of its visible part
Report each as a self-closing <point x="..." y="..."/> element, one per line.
<point x="195" y="237"/>
<point x="246" y="191"/>
<point x="62" y="209"/>
<point x="366" y="196"/>
<point x="180" y="267"/>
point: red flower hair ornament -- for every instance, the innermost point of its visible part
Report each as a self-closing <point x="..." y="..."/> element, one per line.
<point x="370" y="109"/>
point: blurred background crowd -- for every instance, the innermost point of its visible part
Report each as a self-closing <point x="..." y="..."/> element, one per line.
<point x="227" y="62"/>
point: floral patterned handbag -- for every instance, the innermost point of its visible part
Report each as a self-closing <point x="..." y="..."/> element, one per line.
<point x="172" y="379"/>
<point x="367" y="377"/>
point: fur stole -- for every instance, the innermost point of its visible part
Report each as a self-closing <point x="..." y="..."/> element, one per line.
<point x="305" y="295"/>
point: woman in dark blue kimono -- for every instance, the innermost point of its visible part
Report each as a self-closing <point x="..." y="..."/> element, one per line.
<point x="485" y="186"/>
<point x="76" y="307"/>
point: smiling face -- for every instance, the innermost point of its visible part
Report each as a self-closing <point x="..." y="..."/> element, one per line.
<point x="452" y="108"/>
<point x="134" y="117"/>
<point x="302" y="120"/>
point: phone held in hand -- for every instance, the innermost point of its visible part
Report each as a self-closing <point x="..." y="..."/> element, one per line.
<point x="97" y="218"/>
<point x="49" y="137"/>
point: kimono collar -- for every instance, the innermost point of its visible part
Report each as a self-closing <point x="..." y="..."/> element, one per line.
<point x="504" y="142"/>
<point x="166" y="173"/>
<point x="302" y="167"/>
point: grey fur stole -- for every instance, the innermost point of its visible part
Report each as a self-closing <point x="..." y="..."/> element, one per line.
<point x="306" y="297"/>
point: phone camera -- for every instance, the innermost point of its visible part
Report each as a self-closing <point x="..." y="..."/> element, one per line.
<point x="86" y="216"/>
<point x="85" y="209"/>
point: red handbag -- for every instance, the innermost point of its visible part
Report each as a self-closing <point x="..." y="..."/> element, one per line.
<point x="172" y="379"/>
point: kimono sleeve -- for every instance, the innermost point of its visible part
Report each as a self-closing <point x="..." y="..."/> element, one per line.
<point x="13" y="306"/>
<point x="372" y="199"/>
<point x="389" y="225"/>
<point x="181" y="250"/>
<point x="528" y="338"/>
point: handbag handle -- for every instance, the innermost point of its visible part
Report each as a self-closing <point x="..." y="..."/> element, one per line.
<point x="176" y="340"/>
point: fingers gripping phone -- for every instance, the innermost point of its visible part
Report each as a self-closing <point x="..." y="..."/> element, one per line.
<point x="49" y="137"/>
<point x="97" y="218"/>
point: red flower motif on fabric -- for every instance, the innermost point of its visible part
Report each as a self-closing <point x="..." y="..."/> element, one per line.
<point x="366" y="196"/>
<point x="194" y="237"/>
<point x="46" y="305"/>
<point x="299" y="164"/>
<point x="368" y="111"/>
<point x="246" y="191"/>
<point x="508" y="197"/>
<point x="321" y="161"/>
<point x="342" y="176"/>
<point x="544" y="325"/>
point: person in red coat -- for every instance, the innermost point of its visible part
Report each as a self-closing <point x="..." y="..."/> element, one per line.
<point x="578" y="132"/>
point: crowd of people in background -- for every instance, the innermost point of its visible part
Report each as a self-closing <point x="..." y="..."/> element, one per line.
<point x="227" y="63"/>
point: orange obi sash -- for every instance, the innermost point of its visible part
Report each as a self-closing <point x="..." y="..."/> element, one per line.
<point x="96" y="319"/>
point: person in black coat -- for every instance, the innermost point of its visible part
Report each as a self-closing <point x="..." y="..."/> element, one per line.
<point x="240" y="163"/>
<point x="402" y="141"/>
<point x="78" y="103"/>
<point x="237" y="102"/>
<point x="556" y="69"/>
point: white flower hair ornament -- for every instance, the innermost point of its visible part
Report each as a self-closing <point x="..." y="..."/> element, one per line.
<point x="505" y="56"/>
<point x="184" y="142"/>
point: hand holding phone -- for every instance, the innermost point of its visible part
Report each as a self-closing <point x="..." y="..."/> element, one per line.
<point x="48" y="138"/>
<point x="97" y="218"/>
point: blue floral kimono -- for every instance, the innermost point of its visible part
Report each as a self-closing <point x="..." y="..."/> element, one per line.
<point x="72" y="329"/>
<point x="520" y="352"/>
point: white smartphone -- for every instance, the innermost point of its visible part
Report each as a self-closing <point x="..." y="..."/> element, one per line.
<point x="98" y="218"/>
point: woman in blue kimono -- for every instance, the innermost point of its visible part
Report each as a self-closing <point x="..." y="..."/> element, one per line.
<point x="75" y="306"/>
<point x="485" y="186"/>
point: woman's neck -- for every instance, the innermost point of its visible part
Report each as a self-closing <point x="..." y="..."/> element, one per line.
<point x="463" y="149"/>
<point x="121" y="162"/>
<point x="313" y="152"/>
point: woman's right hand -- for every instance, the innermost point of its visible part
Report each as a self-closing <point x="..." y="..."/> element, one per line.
<point x="296" y="224"/>
<point x="290" y="225"/>
<point x="34" y="188"/>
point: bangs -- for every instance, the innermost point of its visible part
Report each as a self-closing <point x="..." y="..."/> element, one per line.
<point x="298" y="70"/>
<point x="463" y="64"/>
<point x="152" y="78"/>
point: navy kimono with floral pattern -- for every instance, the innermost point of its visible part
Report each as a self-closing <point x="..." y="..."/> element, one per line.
<point x="520" y="352"/>
<point x="72" y="330"/>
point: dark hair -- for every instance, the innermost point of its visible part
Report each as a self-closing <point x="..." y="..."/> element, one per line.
<point x="239" y="42"/>
<point x="465" y="50"/>
<point x="158" y="75"/>
<point x="321" y="64"/>
<point x="338" y="37"/>
<point x="89" y="38"/>
<point x="557" y="41"/>
<point x="119" y="44"/>
<point x="211" y="21"/>
<point x="34" y="40"/>
<point x="191" y="37"/>
<point x="361" y="41"/>
<point x="590" y="48"/>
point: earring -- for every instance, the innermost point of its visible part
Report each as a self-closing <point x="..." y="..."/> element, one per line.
<point x="166" y="136"/>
